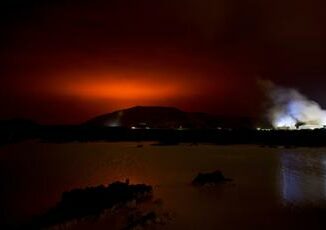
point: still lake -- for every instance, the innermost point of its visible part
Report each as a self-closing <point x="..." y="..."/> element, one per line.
<point x="267" y="182"/>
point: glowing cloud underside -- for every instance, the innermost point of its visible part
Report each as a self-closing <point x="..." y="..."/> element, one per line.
<point x="292" y="110"/>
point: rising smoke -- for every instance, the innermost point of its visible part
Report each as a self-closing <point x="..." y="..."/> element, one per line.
<point x="289" y="109"/>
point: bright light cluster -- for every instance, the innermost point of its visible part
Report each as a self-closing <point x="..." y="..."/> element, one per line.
<point x="292" y="110"/>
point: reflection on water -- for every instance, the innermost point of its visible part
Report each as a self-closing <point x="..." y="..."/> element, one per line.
<point x="34" y="175"/>
<point x="303" y="177"/>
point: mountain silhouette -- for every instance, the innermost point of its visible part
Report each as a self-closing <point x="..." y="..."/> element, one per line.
<point x="164" y="117"/>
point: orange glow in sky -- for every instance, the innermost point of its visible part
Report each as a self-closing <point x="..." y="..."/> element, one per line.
<point x="126" y="86"/>
<point x="101" y="90"/>
<point x="123" y="90"/>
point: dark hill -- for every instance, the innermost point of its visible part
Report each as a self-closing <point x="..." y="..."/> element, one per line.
<point x="164" y="117"/>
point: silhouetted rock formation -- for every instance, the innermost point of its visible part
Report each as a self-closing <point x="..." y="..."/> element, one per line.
<point x="91" y="201"/>
<point x="212" y="178"/>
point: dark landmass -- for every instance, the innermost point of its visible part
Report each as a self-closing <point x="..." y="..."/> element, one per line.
<point x="92" y="201"/>
<point x="81" y="133"/>
<point x="16" y="130"/>
<point x="164" y="125"/>
<point x="159" y="117"/>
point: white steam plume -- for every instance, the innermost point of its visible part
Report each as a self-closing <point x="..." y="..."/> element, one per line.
<point x="292" y="110"/>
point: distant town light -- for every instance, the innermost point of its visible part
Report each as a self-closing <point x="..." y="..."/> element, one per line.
<point x="263" y="129"/>
<point x="113" y="124"/>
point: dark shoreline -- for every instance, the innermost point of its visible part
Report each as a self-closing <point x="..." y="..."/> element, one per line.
<point x="82" y="133"/>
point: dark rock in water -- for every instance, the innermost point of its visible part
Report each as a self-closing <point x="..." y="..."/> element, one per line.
<point x="91" y="201"/>
<point x="212" y="178"/>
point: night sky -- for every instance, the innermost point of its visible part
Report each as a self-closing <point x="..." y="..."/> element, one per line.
<point x="67" y="61"/>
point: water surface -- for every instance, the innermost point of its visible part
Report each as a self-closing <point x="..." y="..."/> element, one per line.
<point x="266" y="180"/>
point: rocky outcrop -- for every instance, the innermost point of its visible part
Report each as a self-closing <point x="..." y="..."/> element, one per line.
<point x="212" y="178"/>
